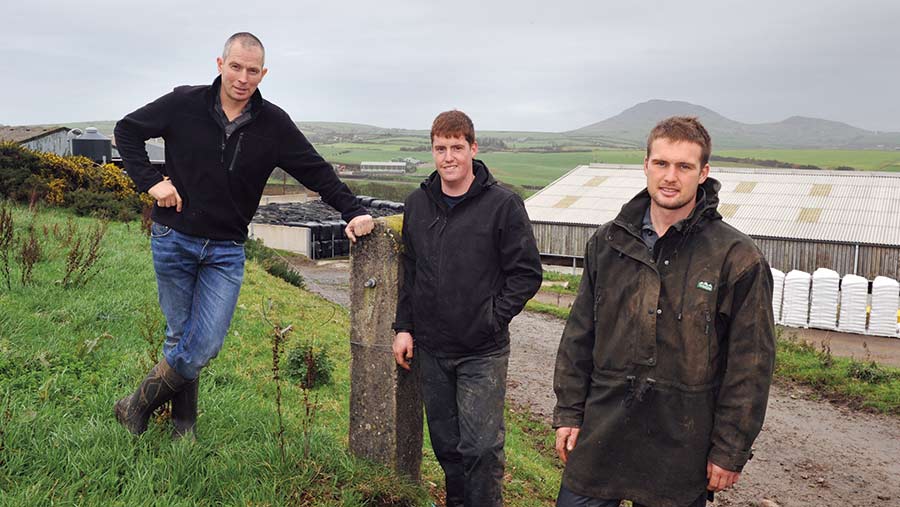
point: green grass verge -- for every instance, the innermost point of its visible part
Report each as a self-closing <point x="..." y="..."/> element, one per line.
<point x="556" y="311"/>
<point x="861" y="383"/>
<point x="67" y="354"/>
<point x="553" y="276"/>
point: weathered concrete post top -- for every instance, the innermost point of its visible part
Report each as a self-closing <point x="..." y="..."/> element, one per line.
<point x="385" y="401"/>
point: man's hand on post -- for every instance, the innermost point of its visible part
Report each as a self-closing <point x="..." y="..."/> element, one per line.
<point x="403" y="349"/>
<point x="359" y="226"/>
<point x="566" y="437"/>
<point x="719" y="478"/>
<point x="166" y="195"/>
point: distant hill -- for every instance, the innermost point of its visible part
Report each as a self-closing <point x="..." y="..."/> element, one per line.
<point x="628" y="129"/>
<point x="633" y="124"/>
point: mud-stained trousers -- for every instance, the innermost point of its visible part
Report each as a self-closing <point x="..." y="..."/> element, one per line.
<point x="464" y="407"/>
<point x="567" y="498"/>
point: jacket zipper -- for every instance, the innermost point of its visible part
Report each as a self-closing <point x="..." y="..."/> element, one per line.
<point x="237" y="151"/>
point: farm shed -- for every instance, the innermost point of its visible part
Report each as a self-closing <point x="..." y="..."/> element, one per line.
<point x="311" y="228"/>
<point x="847" y="221"/>
<point x="46" y="139"/>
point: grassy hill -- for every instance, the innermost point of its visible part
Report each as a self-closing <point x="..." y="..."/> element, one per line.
<point x="67" y="354"/>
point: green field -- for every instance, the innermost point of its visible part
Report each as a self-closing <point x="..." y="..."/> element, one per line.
<point x="866" y="160"/>
<point x="67" y="353"/>
<point x="539" y="169"/>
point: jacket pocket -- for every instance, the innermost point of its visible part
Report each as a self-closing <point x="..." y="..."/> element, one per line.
<point x="613" y="335"/>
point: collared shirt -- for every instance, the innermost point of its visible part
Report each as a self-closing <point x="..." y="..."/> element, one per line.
<point x="648" y="233"/>
<point x="231" y="126"/>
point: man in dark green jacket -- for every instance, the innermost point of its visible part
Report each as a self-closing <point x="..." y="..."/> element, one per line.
<point x="663" y="370"/>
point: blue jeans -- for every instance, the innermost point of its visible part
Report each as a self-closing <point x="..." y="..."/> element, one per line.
<point x="199" y="281"/>
<point x="464" y="405"/>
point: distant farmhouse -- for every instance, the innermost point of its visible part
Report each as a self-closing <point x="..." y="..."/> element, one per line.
<point x="46" y="139"/>
<point x="847" y="221"/>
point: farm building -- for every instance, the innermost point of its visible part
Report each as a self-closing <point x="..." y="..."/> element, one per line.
<point x="848" y="221"/>
<point x="382" y="168"/>
<point x="156" y="151"/>
<point x="46" y="139"/>
<point x="311" y="227"/>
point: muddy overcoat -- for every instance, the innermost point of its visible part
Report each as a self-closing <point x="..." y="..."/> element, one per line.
<point x="667" y="356"/>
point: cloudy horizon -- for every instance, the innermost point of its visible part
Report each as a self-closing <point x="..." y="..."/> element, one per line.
<point x="539" y="66"/>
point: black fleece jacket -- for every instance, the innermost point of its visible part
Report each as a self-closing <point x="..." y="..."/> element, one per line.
<point x="221" y="180"/>
<point x="467" y="270"/>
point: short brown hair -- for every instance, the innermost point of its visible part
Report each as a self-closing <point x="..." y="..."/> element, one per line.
<point x="453" y="124"/>
<point x="683" y="129"/>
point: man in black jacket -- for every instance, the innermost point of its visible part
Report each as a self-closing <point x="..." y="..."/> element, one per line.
<point x="470" y="263"/>
<point x="222" y="143"/>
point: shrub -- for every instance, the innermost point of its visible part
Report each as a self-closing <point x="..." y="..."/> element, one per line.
<point x="869" y="371"/>
<point x="309" y="366"/>
<point x="102" y="205"/>
<point x="281" y="269"/>
<point x="254" y="249"/>
<point x="77" y="182"/>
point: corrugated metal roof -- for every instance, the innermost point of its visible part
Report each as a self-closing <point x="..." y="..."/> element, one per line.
<point x="835" y="206"/>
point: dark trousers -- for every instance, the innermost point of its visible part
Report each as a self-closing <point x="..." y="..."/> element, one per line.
<point x="464" y="406"/>
<point x="567" y="498"/>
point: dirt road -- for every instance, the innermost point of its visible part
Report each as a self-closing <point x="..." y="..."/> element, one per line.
<point x="810" y="453"/>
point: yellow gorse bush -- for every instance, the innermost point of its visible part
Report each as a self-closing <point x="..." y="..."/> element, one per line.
<point x="55" y="178"/>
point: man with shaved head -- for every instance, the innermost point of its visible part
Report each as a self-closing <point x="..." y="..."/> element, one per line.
<point x="222" y="142"/>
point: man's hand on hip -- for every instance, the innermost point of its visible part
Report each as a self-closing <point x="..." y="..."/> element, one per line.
<point x="403" y="348"/>
<point x="166" y="195"/>
<point x="566" y="438"/>
<point x="359" y="226"/>
<point x="719" y="478"/>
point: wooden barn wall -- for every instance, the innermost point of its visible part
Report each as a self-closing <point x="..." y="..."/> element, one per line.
<point x="564" y="240"/>
<point x="807" y="256"/>
<point x="569" y="241"/>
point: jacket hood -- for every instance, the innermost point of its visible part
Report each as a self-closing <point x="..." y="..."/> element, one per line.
<point x="705" y="210"/>
<point x="483" y="180"/>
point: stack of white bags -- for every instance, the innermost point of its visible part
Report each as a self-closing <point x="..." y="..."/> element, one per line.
<point x="824" y="307"/>
<point x="795" y="307"/>
<point x="885" y="301"/>
<point x="854" y="300"/>
<point x="777" y="293"/>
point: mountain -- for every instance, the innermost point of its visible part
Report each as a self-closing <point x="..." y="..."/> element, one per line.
<point x="797" y="132"/>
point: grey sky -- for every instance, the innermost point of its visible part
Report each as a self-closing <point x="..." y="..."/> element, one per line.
<point x="512" y="65"/>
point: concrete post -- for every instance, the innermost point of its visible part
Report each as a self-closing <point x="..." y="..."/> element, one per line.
<point x="385" y="401"/>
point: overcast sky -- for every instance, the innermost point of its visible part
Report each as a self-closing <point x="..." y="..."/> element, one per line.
<point x="512" y="65"/>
